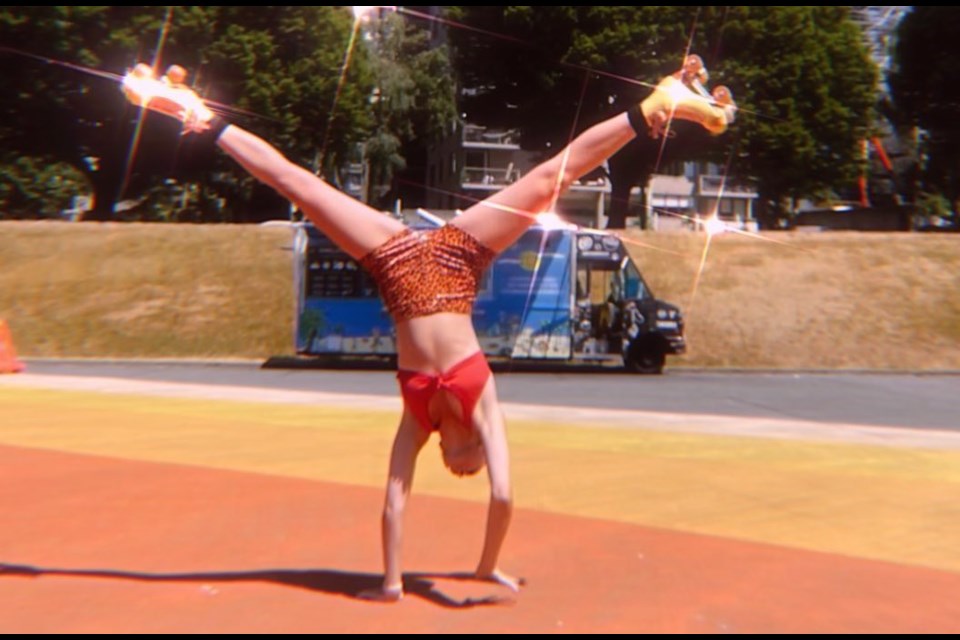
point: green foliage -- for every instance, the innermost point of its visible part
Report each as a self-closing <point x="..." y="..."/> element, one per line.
<point x="803" y="79"/>
<point x="35" y="188"/>
<point x="537" y="76"/>
<point x="934" y="205"/>
<point x="280" y="63"/>
<point x="808" y="90"/>
<point x="285" y="65"/>
<point x="280" y="69"/>
<point x="414" y="102"/>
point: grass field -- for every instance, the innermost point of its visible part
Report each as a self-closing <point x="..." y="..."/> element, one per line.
<point x="817" y="301"/>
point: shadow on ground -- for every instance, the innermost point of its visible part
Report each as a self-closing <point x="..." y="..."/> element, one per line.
<point x="337" y="583"/>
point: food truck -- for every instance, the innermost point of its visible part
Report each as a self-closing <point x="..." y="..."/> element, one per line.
<point x="560" y="294"/>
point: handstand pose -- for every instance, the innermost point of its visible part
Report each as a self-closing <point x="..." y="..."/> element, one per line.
<point x="429" y="283"/>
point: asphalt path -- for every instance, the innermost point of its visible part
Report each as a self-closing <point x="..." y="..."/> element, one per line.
<point x="916" y="401"/>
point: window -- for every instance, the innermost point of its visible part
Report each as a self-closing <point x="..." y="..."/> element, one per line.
<point x="726" y="209"/>
<point x="601" y="285"/>
<point x="335" y="275"/>
<point x="633" y="285"/>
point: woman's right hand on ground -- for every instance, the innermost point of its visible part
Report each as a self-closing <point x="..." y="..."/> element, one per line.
<point x="499" y="577"/>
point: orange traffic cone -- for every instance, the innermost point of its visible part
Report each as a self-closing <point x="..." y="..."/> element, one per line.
<point x="8" y="355"/>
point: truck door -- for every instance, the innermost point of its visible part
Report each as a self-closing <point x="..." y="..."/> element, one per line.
<point x="599" y="296"/>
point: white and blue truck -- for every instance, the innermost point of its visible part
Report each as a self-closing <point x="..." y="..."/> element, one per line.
<point x="560" y="294"/>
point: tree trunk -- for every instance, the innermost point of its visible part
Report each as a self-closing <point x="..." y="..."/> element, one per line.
<point x="106" y="191"/>
<point x="773" y="209"/>
<point x="623" y="176"/>
<point x="620" y="204"/>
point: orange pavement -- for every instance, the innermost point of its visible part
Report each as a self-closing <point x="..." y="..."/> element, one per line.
<point x="95" y="545"/>
<point x="124" y="513"/>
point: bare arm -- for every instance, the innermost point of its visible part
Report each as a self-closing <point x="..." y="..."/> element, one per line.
<point x="500" y="512"/>
<point x="407" y="444"/>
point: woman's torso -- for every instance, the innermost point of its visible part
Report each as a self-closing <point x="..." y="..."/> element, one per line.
<point x="429" y="283"/>
<point x="433" y="344"/>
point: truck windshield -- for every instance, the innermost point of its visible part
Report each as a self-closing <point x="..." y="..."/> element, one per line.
<point x="633" y="286"/>
<point x="604" y="282"/>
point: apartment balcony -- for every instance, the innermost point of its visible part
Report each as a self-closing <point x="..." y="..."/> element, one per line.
<point x="476" y="137"/>
<point x="719" y="186"/>
<point x="591" y="185"/>
<point x="494" y="179"/>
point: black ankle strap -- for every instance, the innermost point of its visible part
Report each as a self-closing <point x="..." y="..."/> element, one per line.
<point x="637" y="120"/>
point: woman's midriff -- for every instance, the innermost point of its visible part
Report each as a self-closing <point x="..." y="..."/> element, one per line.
<point x="433" y="344"/>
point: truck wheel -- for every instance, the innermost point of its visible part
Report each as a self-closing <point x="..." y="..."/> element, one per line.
<point x="646" y="357"/>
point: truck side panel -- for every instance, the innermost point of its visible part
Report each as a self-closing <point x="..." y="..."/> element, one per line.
<point x="523" y="308"/>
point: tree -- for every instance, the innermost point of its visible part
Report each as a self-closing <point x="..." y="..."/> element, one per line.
<point x="535" y="75"/>
<point x="926" y="93"/>
<point x="413" y="105"/>
<point x="808" y="93"/>
<point x="48" y="111"/>
<point x="801" y="75"/>
<point x="280" y="63"/>
<point x="31" y="188"/>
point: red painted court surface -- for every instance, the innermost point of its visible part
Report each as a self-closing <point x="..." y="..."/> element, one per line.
<point x="93" y="544"/>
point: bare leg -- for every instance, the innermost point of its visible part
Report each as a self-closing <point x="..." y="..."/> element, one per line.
<point x="498" y="221"/>
<point x="355" y="227"/>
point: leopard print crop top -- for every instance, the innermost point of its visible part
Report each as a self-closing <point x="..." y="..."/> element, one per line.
<point x="421" y="273"/>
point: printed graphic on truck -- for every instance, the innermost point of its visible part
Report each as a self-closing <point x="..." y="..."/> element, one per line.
<point x="555" y="295"/>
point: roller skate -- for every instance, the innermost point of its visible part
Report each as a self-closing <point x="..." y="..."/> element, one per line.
<point x="167" y="95"/>
<point x="683" y="95"/>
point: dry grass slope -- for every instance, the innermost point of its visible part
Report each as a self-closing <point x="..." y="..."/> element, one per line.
<point x="821" y="301"/>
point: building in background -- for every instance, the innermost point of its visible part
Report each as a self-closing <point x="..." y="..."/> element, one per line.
<point x="475" y="162"/>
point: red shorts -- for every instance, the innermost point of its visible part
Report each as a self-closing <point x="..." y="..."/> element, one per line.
<point x="465" y="380"/>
